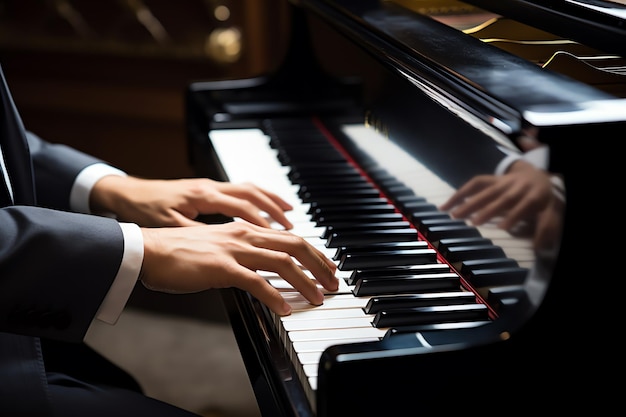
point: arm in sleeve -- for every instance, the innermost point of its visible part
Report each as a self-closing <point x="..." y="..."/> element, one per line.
<point x="56" y="170"/>
<point x="56" y="268"/>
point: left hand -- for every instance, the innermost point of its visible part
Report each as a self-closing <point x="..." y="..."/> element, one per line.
<point x="150" y="202"/>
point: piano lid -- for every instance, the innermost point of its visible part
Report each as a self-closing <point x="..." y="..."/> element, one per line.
<point x="604" y="21"/>
<point x="499" y="93"/>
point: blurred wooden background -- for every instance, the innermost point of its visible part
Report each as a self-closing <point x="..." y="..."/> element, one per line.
<point x="108" y="77"/>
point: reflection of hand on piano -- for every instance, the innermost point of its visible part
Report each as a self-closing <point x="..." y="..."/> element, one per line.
<point x="516" y="198"/>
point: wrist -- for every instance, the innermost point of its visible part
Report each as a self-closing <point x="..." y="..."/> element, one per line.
<point x="106" y="194"/>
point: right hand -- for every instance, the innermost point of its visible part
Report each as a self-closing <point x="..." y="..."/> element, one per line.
<point x="197" y="258"/>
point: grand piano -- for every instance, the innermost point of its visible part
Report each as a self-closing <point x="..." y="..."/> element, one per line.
<point x="378" y="113"/>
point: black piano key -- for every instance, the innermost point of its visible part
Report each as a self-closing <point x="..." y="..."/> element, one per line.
<point x="360" y="193"/>
<point x="315" y="169"/>
<point x="435" y="314"/>
<point x="308" y="153"/>
<point x="323" y="188"/>
<point x="513" y="275"/>
<point x="417" y="206"/>
<point x="310" y="138"/>
<point x="384" y="179"/>
<point x="433" y="213"/>
<point x="313" y="147"/>
<point x="403" y="202"/>
<point x="397" y="271"/>
<point x="507" y="298"/>
<point x="377" y="171"/>
<point x="472" y="264"/>
<point x="373" y="236"/>
<point x="340" y="220"/>
<point x="400" y="332"/>
<point x="353" y="209"/>
<point x="419" y="244"/>
<point x="386" y="258"/>
<point x="339" y="201"/>
<point x="324" y="172"/>
<point x="407" y="284"/>
<point x="397" y="189"/>
<point x="427" y="224"/>
<point x="376" y="304"/>
<point x="407" y="198"/>
<point x="444" y="244"/>
<point x="437" y="233"/>
<point x="293" y="159"/>
<point x="456" y="254"/>
<point x="365" y="227"/>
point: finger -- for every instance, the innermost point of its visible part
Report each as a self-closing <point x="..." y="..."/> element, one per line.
<point x="469" y="189"/>
<point x="547" y="231"/>
<point x="267" y="201"/>
<point x="173" y="217"/>
<point x="322" y="268"/>
<point x="489" y="204"/>
<point x="523" y="208"/>
<point x="257" y="286"/>
<point x="279" y="201"/>
<point x="282" y="264"/>
<point x="479" y="207"/>
<point x="237" y="207"/>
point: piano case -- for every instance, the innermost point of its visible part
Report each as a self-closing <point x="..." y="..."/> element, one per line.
<point x="435" y="91"/>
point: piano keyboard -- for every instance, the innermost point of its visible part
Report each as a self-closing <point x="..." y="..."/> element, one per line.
<point x="389" y="276"/>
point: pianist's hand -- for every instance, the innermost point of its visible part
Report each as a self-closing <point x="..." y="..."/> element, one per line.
<point x="518" y="195"/>
<point x="149" y="202"/>
<point x="191" y="259"/>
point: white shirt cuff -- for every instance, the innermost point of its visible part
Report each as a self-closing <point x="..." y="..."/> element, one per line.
<point x="85" y="180"/>
<point x="505" y="163"/>
<point x="127" y="275"/>
<point x="538" y="157"/>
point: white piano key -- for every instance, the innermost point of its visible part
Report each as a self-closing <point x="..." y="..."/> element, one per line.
<point x="327" y="324"/>
<point x="331" y="301"/>
<point x="307" y="230"/>
<point x="310" y="358"/>
<point x="336" y="334"/>
<point x="322" y="314"/>
<point x="309" y="370"/>
<point x="285" y="286"/>
<point x="323" y="344"/>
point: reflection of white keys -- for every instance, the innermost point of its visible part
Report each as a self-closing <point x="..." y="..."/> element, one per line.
<point x="426" y="184"/>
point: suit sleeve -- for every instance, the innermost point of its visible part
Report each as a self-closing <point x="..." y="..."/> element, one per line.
<point x="55" y="269"/>
<point x="56" y="167"/>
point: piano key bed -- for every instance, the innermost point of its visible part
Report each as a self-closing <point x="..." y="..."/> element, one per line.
<point x="402" y="263"/>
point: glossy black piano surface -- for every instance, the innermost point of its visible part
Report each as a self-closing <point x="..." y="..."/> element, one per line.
<point x="450" y="100"/>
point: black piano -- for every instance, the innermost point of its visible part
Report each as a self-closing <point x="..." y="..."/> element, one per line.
<point x="380" y="110"/>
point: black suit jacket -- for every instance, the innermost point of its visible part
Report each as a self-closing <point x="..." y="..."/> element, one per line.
<point x="55" y="266"/>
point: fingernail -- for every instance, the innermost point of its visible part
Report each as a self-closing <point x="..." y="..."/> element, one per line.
<point x="286" y="309"/>
<point x="336" y="287"/>
<point x="320" y="297"/>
